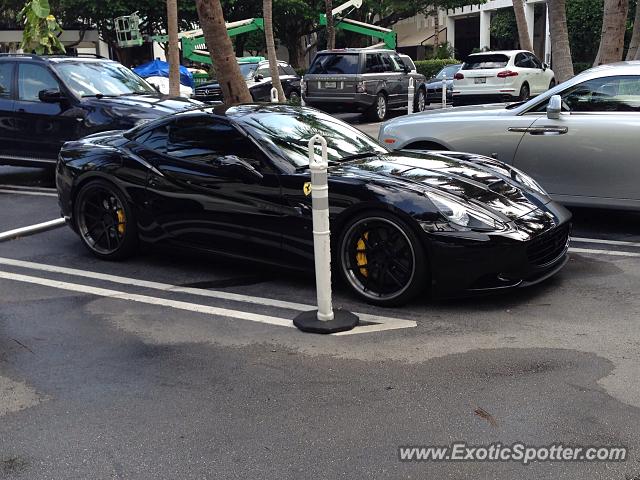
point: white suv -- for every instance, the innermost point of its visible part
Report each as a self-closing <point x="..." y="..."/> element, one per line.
<point x="501" y="75"/>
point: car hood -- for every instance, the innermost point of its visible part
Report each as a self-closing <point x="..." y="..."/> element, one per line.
<point x="471" y="178"/>
<point x="489" y="110"/>
<point x="144" y="106"/>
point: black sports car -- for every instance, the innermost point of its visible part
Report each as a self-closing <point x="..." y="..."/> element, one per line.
<point x="232" y="180"/>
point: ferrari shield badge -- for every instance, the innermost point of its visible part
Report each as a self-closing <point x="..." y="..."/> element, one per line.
<point x="306" y="188"/>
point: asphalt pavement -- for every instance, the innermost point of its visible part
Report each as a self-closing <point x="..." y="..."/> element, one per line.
<point x="175" y="365"/>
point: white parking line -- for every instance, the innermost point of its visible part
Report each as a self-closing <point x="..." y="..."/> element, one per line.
<point x="25" y="192"/>
<point x="31" y="229"/>
<point x="606" y="242"/>
<point x="615" y="253"/>
<point x="380" y="322"/>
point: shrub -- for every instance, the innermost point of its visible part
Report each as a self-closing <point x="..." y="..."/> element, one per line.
<point x="429" y="68"/>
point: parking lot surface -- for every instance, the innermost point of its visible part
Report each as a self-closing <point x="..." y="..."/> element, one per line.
<point x="176" y="365"/>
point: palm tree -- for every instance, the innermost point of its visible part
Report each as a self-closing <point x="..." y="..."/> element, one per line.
<point x="331" y="31"/>
<point x="562" y="62"/>
<point x="614" y="22"/>
<point x="234" y="87"/>
<point x="634" y="51"/>
<point x="172" y="55"/>
<point x="267" y="12"/>
<point x="523" y="29"/>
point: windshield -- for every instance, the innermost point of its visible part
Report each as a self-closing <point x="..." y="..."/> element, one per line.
<point x="87" y="79"/>
<point x="289" y="131"/>
<point x="335" y="64"/>
<point x="449" y="72"/>
<point x="484" y="62"/>
<point x="247" y="69"/>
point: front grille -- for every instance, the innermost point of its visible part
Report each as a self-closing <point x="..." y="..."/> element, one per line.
<point x="208" y="92"/>
<point x="547" y="247"/>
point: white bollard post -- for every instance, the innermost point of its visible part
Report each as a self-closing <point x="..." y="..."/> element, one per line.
<point x="303" y="92"/>
<point x="274" y="95"/>
<point x="323" y="320"/>
<point x="444" y="92"/>
<point x="411" y="95"/>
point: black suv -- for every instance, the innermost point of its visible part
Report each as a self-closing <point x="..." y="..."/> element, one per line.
<point x="48" y="100"/>
<point x="258" y="78"/>
<point x="359" y="80"/>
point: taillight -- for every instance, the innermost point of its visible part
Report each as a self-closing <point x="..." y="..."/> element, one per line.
<point x="458" y="76"/>
<point x="507" y="73"/>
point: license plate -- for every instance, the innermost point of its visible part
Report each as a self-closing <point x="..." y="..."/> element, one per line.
<point x="330" y="85"/>
<point x="480" y="80"/>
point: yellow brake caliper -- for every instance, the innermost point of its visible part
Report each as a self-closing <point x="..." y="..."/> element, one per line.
<point x="361" y="254"/>
<point x="120" y="214"/>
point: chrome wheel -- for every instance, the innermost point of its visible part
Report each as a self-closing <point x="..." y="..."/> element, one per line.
<point x="378" y="258"/>
<point x="102" y="221"/>
<point x="422" y="100"/>
<point x="381" y="107"/>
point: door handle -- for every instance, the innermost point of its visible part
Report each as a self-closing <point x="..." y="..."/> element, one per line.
<point x="548" y="130"/>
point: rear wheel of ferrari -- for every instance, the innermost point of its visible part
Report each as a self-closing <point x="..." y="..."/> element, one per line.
<point x="105" y="221"/>
<point x="381" y="259"/>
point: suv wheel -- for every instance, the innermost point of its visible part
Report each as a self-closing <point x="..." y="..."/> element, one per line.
<point x="378" y="111"/>
<point x="421" y="101"/>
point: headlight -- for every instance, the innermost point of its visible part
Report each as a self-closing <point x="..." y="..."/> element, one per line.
<point x="527" y="181"/>
<point x="463" y="215"/>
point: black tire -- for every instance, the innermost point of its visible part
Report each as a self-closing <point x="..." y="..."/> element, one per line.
<point x="421" y="100"/>
<point x="378" y="111"/>
<point x="105" y="221"/>
<point x="552" y="83"/>
<point x="389" y="271"/>
<point x="525" y="92"/>
<point x="294" y="97"/>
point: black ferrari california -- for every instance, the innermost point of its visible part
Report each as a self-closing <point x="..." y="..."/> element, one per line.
<point x="233" y="181"/>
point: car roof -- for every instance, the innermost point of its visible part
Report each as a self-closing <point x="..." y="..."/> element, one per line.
<point x="356" y="50"/>
<point x="53" y="58"/>
<point x="501" y="52"/>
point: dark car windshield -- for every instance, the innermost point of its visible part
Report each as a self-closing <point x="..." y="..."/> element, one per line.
<point x="335" y="63"/>
<point x="483" y="62"/>
<point x="248" y="69"/>
<point x="87" y="79"/>
<point x="290" y="129"/>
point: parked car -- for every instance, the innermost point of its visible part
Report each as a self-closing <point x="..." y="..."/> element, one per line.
<point x="258" y="78"/>
<point x="48" y="100"/>
<point x="408" y="61"/>
<point x="232" y="181"/>
<point x="433" y="86"/>
<point x="506" y="75"/>
<point x="578" y="140"/>
<point x="358" y="80"/>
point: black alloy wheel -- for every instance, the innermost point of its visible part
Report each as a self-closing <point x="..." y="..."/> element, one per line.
<point x="382" y="260"/>
<point x="105" y="221"/>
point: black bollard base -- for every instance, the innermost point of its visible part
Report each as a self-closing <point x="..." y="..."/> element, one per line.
<point x="342" y="321"/>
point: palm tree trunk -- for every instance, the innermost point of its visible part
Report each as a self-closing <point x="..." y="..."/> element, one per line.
<point x="614" y="23"/>
<point x="234" y="87"/>
<point x="632" y="54"/>
<point x="173" y="54"/>
<point x="436" y="26"/>
<point x="562" y="61"/>
<point x="271" y="48"/>
<point x="331" y="31"/>
<point x="523" y="29"/>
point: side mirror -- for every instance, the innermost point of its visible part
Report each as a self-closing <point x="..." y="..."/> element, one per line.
<point x="51" y="95"/>
<point x="554" y="107"/>
<point x="544" y="66"/>
<point x="407" y="69"/>
<point x="259" y="77"/>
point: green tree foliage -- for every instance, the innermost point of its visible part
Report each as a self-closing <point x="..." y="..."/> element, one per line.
<point x="41" y="30"/>
<point x="504" y="29"/>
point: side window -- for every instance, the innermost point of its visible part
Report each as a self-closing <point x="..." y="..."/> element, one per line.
<point x="208" y="141"/>
<point x="282" y="71"/>
<point x="388" y="64"/>
<point x="397" y="63"/>
<point x="521" y="61"/>
<point x="608" y="94"/>
<point x="264" y="71"/>
<point x="289" y="70"/>
<point x="155" y="139"/>
<point x="6" y="80"/>
<point x="535" y="62"/>
<point x="373" y="63"/>
<point x="32" y="79"/>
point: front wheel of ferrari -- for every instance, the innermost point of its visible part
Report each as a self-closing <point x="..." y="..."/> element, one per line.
<point x="105" y="221"/>
<point x="382" y="260"/>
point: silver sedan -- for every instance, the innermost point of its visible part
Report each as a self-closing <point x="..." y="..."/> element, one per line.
<point x="580" y="140"/>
